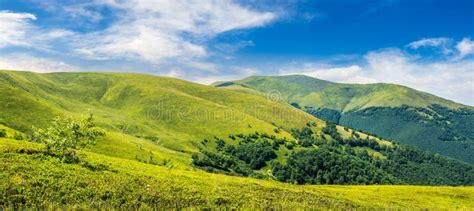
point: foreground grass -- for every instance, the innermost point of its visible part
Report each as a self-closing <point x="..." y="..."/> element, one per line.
<point x="29" y="178"/>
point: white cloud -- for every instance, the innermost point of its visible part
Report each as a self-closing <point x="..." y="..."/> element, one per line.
<point x="465" y="47"/>
<point x="442" y="43"/>
<point x="458" y="50"/>
<point x="431" y="42"/>
<point x="14" y="28"/>
<point x="34" y="64"/>
<point x="452" y="79"/>
<point x="81" y="12"/>
<point x="54" y="34"/>
<point x="349" y="74"/>
<point x="156" y="31"/>
<point x="17" y="29"/>
<point x="160" y="33"/>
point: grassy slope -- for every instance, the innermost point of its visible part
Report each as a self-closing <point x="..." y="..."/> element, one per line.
<point x="33" y="179"/>
<point x="180" y="113"/>
<point x="307" y="91"/>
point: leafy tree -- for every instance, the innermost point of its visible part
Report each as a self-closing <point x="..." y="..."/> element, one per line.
<point x="305" y="132"/>
<point x="220" y="144"/>
<point x="331" y="130"/>
<point x="65" y="135"/>
<point x="255" y="154"/>
<point x="290" y="145"/>
<point x="306" y="142"/>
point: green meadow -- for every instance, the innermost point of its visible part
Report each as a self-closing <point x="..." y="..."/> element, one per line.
<point x="34" y="180"/>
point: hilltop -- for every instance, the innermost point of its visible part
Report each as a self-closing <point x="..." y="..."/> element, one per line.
<point x="308" y="91"/>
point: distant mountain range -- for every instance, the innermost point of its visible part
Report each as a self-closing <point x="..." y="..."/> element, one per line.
<point x="389" y="111"/>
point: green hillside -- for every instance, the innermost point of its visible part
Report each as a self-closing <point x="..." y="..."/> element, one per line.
<point x="30" y="179"/>
<point x="390" y="111"/>
<point x="169" y="143"/>
<point x="177" y="113"/>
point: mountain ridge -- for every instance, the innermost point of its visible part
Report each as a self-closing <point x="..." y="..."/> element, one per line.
<point x="321" y="84"/>
<point x="390" y="111"/>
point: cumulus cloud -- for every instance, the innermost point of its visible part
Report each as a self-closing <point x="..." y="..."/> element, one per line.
<point x="445" y="78"/>
<point x="14" y="28"/>
<point x="34" y="64"/>
<point x="17" y="29"/>
<point x="452" y="79"/>
<point x="155" y="31"/>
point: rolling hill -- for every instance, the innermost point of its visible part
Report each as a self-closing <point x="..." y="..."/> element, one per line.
<point x="178" y="113"/>
<point x="166" y="139"/>
<point x="390" y="111"/>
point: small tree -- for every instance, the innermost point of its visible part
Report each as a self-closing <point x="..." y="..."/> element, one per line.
<point x="65" y="135"/>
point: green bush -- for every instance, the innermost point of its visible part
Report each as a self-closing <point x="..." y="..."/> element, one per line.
<point x="65" y="135"/>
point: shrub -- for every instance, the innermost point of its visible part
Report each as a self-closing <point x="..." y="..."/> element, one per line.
<point x="66" y="135"/>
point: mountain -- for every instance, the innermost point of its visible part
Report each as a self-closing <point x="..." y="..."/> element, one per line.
<point x="390" y="111"/>
<point x="170" y="143"/>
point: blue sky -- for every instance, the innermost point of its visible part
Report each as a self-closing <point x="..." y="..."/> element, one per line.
<point x="424" y="44"/>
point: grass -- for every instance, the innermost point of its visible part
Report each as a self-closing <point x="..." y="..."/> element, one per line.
<point x="35" y="180"/>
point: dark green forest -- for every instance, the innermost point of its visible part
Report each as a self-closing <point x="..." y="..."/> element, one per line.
<point x="311" y="159"/>
<point x="437" y="128"/>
